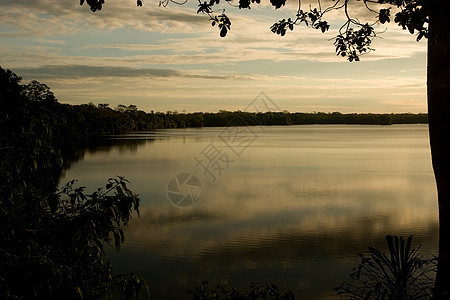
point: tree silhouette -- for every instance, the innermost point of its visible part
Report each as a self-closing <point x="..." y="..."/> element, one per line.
<point x="36" y="91"/>
<point x="52" y="241"/>
<point x="426" y="19"/>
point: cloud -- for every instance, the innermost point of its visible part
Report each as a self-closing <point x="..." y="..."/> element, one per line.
<point x="46" y="41"/>
<point x="45" y="18"/>
<point x="85" y="72"/>
<point x="249" y="39"/>
<point x="174" y="56"/>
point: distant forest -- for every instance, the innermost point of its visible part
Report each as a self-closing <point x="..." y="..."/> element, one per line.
<point x="102" y="119"/>
<point x="35" y="104"/>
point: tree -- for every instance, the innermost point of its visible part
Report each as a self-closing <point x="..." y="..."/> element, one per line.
<point x="131" y="108"/>
<point x="103" y="105"/>
<point x="51" y="242"/>
<point x="36" y="91"/>
<point x="427" y="19"/>
<point x="121" y="108"/>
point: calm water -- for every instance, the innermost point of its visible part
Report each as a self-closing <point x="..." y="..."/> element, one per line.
<point x="287" y="205"/>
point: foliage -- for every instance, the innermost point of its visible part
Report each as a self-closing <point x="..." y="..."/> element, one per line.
<point x="52" y="242"/>
<point x="95" y="218"/>
<point x="223" y="291"/>
<point x="102" y="120"/>
<point x="354" y="38"/>
<point x="403" y="274"/>
<point x="224" y="118"/>
<point x="36" y="91"/>
<point x="57" y="250"/>
<point x="351" y="43"/>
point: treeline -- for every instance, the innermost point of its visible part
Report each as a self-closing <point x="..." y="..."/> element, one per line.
<point x="102" y="119"/>
<point x="223" y="118"/>
<point x="34" y="106"/>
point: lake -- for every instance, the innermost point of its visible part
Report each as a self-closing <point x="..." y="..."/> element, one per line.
<point x="290" y="205"/>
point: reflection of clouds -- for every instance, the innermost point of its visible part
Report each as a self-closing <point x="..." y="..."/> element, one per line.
<point x="360" y="193"/>
<point x="307" y="260"/>
<point x="241" y="227"/>
<point x="168" y="217"/>
<point x="172" y="233"/>
<point x="299" y="203"/>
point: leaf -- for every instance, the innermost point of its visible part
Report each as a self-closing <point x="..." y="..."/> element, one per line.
<point x="113" y="212"/>
<point x="244" y="3"/>
<point x="384" y="16"/>
<point x="98" y="246"/>
<point x="223" y="31"/>
<point x="122" y="235"/>
<point x="278" y="3"/>
<point x="72" y="198"/>
<point x="60" y="161"/>
<point x="79" y="292"/>
<point x="420" y="36"/>
<point x="204" y="8"/>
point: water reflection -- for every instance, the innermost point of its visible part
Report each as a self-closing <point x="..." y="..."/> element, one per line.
<point x="294" y="209"/>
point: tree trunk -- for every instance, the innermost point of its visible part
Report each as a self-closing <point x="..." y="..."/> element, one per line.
<point x="439" y="125"/>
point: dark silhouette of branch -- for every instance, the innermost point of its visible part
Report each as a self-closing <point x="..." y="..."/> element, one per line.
<point x="354" y="38"/>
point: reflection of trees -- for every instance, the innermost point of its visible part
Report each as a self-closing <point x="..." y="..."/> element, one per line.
<point x="101" y="145"/>
<point x="122" y="144"/>
<point x="106" y="145"/>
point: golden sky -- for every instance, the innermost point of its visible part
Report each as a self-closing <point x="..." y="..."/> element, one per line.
<point x="170" y="58"/>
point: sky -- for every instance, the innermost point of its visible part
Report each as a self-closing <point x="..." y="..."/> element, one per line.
<point x="171" y="58"/>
